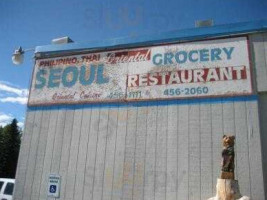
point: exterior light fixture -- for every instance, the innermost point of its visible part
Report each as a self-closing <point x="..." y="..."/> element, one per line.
<point x="18" y="55"/>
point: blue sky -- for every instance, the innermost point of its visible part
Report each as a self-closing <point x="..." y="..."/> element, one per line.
<point x="30" y="23"/>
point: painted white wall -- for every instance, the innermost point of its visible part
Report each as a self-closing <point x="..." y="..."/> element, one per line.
<point x="161" y="152"/>
<point x="258" y="44"/>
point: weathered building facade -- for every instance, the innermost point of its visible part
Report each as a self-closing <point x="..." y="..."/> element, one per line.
<point x="145" y="120"/>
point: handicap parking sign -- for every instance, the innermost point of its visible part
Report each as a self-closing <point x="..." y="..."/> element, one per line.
<point x="53" y="186"/>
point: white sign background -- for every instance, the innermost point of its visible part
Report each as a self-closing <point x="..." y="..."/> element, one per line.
<point x="54" y="181"/>
<point x="122" y="65"/>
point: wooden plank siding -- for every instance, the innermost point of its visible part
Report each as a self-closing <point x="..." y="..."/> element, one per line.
<point x="150" y="152"/>
<point x="258" y="49"/>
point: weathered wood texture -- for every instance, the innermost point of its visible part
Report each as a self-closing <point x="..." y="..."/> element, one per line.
<point x="151" y="152"/>
<point x="258" y="44"/>
<point x="228" y="189"/>
<point x="263" y="127"/>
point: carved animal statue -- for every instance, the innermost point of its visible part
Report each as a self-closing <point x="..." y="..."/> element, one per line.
<point x="228" y="158"/>
<point x="227" y="187"/>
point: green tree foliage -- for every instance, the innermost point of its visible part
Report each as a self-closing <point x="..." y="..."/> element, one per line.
<point x="10" y="137"/>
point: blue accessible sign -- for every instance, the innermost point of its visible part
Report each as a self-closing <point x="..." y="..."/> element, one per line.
<point x="53" y="186"/>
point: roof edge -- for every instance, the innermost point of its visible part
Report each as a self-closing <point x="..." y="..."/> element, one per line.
<point x="158" y="38"/>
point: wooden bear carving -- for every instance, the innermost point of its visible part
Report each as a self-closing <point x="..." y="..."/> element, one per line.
<point x="228" y="158"/>
<point x="227" y="187"/>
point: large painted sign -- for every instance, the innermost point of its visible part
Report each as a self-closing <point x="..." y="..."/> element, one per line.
<point x="196" y="69"/>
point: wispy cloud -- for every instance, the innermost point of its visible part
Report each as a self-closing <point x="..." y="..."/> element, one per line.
<point x="20" y="100"/>
<point x="21" y="124"/>
<point x="12" y="94"/>
<point x="5" y="119"/>
<point x="19" y="92"/>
